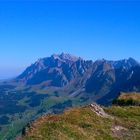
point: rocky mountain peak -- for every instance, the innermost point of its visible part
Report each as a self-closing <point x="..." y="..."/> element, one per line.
<point x="64" y="69"/>
<point x="133" y="61"/>
<point x="65" y="57"/>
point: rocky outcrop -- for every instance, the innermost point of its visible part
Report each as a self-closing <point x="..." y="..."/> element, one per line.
<point x="99" y="111"/>
<point x="119" y="131"/>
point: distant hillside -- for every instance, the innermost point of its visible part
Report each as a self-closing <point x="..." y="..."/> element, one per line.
<point x="87" y="123"/>
<point x="125" y="99"/>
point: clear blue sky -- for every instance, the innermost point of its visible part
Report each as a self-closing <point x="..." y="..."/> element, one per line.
<point x="90" y="29"/>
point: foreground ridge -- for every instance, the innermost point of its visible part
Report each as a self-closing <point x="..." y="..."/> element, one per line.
<point x="91" y="122"/>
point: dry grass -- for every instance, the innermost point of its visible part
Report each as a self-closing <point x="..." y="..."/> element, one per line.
<point x="74" y="124"/>
<point x="130" y="96"/>
<point x="128" y="99"/>
<point x="84" y="124"/>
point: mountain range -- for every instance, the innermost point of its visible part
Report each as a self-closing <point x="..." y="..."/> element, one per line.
<point x="99" y="81"/>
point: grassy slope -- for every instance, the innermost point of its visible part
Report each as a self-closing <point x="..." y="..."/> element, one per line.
<point x="83" y="124"/>
<point x="130" y="96"/>
<point x="126" y="99"/>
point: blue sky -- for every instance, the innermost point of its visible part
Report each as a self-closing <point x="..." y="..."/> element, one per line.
<point x="90" y="29"/>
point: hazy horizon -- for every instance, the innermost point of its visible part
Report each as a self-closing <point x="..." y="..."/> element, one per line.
<point x="89" y="29"/>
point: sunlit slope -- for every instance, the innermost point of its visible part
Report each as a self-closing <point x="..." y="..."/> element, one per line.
<point x="84" y="124"/>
